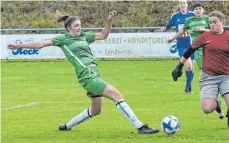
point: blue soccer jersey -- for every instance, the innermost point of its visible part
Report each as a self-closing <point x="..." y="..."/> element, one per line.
<point x="178" y="20"/>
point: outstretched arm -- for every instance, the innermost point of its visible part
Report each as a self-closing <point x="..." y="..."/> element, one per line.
<point x="200" y="42"/>
<point x="201" y="29"/>
<point x="106" y="30"/>
<point x="177" y="72"/>
<point x="169" y="24"/>
<point x="31" y="45"/>
<point x="181" y="32"/>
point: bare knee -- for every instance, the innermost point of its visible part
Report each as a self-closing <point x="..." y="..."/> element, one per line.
<point x="117" y="95"/>
<point x="207" y="109"/>
<point x="208" y="105"/>
<point x="189" y="65"/>
<point x="96" y="112"/>
<point x="112" y="93"/>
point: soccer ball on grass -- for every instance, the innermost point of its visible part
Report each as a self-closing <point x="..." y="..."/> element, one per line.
<point x="170" y="125"/>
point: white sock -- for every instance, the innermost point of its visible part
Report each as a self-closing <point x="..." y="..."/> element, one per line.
<point x="129" y="114"/>
<point x="82" y="117"/>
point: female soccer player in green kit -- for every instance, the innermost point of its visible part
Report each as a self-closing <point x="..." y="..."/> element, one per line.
<point x="75" y="45"/>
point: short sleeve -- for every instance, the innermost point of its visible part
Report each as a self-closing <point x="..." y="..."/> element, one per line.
<point x="90" y="37"/>
<point x="170" y="22"/>
<point x="57" y="41"/>
<point x="200" y="41"/>
<point x="207" y="20"/>
<point x="186" y="25"/>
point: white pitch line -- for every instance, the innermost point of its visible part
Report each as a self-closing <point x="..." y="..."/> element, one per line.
<point x="21" y="105"/>
<point x="64" y="102"/>
<point x="35" y="103"/>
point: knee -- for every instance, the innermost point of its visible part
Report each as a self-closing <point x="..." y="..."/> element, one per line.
<point x="207" y="110"/>
<point x="116" y="94"/>
<point x="189" y="68"/>
<point x="96" y="112"/>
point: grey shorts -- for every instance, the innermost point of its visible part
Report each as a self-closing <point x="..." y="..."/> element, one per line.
<point x="211" y="86"/>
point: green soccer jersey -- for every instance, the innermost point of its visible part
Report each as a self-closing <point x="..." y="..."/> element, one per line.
<point x="76" y="49"/>
<point x="193" y="22"/>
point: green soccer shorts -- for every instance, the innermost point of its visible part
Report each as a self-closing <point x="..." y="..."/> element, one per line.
<point x="198" y="57"/>
<point x="91" y="81"/>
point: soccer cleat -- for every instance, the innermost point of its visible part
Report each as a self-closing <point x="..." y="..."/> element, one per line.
<point x="219" y="109"/>
<point x="188" y="90"/>
<point x="64" y="128"/>
<point x="221" y="114"/>
<point x="147" y="130"/>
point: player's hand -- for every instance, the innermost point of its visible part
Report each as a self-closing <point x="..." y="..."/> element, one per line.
<point x="112" y="15"/>
<point x="177" y="72"/>
<point x="199" y="29"/>
<point x="12" y="46"/>
<point x="163" y="29"/>
<point x="169" y="41"/>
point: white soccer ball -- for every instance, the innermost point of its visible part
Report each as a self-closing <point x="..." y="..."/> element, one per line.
<point x="170" y="125"/>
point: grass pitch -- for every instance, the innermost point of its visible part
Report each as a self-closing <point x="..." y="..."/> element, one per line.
<point x="38" y="96"/>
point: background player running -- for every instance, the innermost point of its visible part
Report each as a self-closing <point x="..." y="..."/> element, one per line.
<point x="183" y="43"/>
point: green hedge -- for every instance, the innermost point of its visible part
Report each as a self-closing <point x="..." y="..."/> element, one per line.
<point x="41" y="14"/>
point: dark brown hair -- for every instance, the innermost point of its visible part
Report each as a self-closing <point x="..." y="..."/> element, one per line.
<point x="68" y="20"/>
<point x="198" y="5"/>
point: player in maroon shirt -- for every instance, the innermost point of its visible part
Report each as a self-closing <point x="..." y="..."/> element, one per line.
<point x="214" y="77"/>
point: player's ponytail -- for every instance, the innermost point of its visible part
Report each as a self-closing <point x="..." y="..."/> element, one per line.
<point x="68" y="20"/>
<point x="60" y="17"/>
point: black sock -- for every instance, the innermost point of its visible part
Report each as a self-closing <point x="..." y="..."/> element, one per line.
<point x="218" y="109"/>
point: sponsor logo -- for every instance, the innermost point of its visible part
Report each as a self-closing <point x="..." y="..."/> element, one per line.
<point x="21" y="51"/>
<point x="173" y="47"/>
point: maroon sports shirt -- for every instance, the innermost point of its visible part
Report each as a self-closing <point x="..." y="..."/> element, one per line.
<point x="215" y="53"/>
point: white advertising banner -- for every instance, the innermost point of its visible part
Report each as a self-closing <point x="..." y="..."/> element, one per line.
<point x="117" y="45"/>
<point x="44" y="53"/>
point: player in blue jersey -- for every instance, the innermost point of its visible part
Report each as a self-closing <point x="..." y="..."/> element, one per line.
<point x="183" y="43"/>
